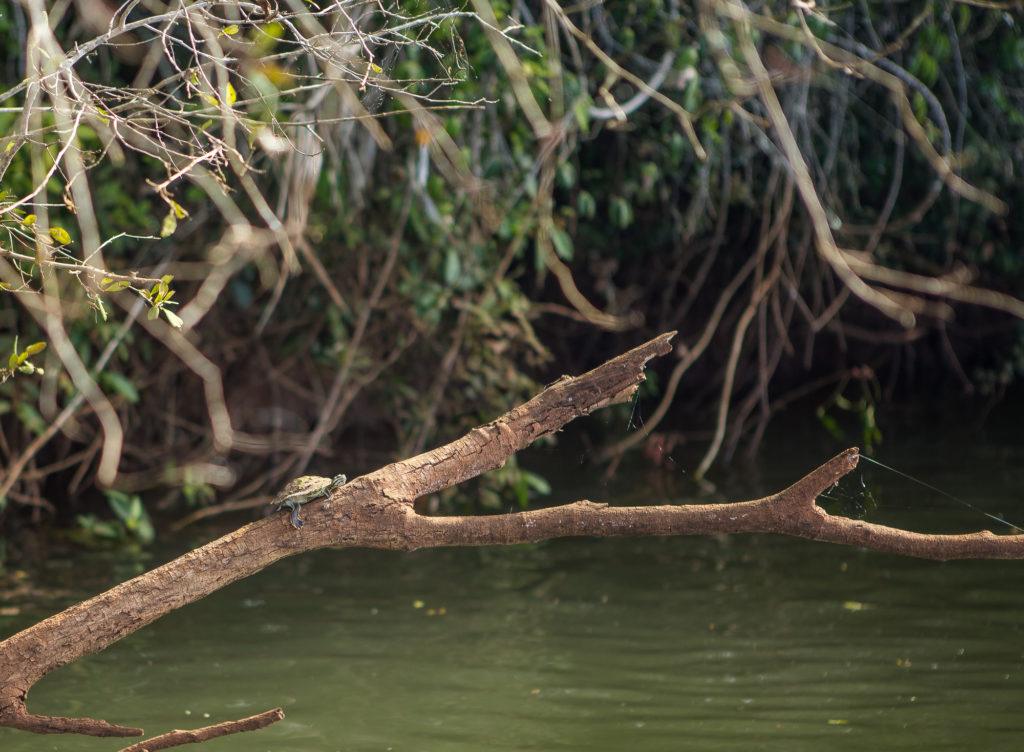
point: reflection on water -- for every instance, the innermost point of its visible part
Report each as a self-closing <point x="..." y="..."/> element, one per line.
<point x="745" y="642"/>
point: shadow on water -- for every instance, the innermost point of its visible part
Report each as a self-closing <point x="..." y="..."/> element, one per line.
<point x="754" y="643"/>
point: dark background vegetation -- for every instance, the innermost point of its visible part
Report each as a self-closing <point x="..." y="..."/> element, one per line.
<point x="466" y="258"/>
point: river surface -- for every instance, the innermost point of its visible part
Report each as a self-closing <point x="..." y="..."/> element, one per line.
<point x="730" y="643"/>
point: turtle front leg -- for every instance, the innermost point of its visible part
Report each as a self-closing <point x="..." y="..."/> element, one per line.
<point x="295" y="519"/>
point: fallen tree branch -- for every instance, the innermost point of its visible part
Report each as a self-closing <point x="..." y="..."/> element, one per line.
<point x="372" y="511"/>
<point x="790" y="512"/>
<point x="177" y="738"/>
<point x="376" y="511"/>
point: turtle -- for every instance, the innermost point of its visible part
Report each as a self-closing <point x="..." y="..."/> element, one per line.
<point x="304" y="489"/>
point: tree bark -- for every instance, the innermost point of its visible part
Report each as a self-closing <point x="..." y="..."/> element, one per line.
<point x="376" y="511"/>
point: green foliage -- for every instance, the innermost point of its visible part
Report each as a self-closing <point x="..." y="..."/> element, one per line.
<point x="620" y="212"/>
<point x="159" y="297"/>
<point x="508" y="487"/>
<point x="131" y="523"/>
<point x="562" y="243"/>
<point x="626" y="205"/>
<point x="511" y="483"/>
<point x="119" y="384"/>
<point x="60" y="236"/>
<point x="863" y="409"/>
<point x="197" y="493"/>
<point x="19" y="362"/>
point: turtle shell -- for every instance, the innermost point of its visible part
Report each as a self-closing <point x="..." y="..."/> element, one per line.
<point x="302" y="489"/>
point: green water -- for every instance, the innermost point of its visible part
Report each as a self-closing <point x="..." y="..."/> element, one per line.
<point x="737" y="643"/>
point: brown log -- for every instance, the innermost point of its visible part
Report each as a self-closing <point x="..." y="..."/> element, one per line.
<point x="376" y="511"/>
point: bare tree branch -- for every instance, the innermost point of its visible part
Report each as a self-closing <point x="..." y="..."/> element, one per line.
<point x="177" y="738"/>
<point x="376" y="511"/>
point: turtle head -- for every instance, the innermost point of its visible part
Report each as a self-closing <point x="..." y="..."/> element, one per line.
<point x="338" y="481"/>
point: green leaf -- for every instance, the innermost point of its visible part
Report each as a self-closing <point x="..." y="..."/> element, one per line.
<point x="581" y="111"/>
<point x="99" y="529"/>
<point x="178" y="209"/>
<point x="108" y="284"/>
<point x="35" y="347"/>
<point x="60" y="235"/>
<point x="136" y="510"/>
<point x="232" y="96"/>
<point x="107" y="530"/>
<point x="566" y="174"/>
<point x="964" y="20"/>
<point x="120" y="504"/>
<point x="522" y="492"/>
<point x="586" y="205"/>
<point x="120" y="384"/>
<point x="452" y="267"/>
<point x="29" y="220"/>
<point x="562" y="242"/>
<point x="925" y="67"/>
<point x="621" y="213"/>
<point x="153" y="313"/>
<point x="144" y="529"/>
<point x="140" y="525"/>
<point x="230" y="30"/>
<point x="537" y="483"/>
<point x="692" y="95"/>
<point x="173" y="319"/>
<point x="13" y="362"/>
<point x="170" y="224"/>
<point x="274" y="29"/>
<point x="689" y="56"/>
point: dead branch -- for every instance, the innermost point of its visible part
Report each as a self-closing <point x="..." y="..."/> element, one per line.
<point x="376" y="511"/>
<point x="790" y="512"/>
<point x="177" y="737"/>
